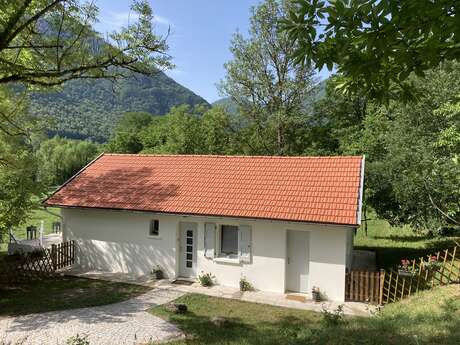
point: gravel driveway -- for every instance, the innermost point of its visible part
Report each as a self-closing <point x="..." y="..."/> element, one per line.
<point x="115" y="324"/>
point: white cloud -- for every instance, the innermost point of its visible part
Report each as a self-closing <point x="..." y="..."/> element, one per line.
<point x="115" y="20"/>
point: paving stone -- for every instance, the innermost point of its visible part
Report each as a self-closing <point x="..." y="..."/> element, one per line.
<point x="121" y="323"/>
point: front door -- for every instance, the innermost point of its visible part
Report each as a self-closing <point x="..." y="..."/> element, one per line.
<point x="187" y="261"/>
<point x="297" y="261"/>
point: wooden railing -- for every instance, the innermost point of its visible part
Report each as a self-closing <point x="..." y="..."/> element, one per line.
<point x="394" y="285"/>
<point x="397" y="286"/>
<point x="39" y="263"/>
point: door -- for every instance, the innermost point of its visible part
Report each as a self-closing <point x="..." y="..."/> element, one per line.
<point x="187" y="259"/>
<point x="297" y="260"/>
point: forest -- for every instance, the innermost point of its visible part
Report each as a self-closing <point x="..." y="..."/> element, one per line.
<point x="403" y="115"/>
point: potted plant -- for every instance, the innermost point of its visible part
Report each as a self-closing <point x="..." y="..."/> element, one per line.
<point x="404" y="268"/>
<point x="245" y="285"/>
<point x="157" y="272"/>
<point x="433" y="264"/>
<point x="316" y="294"/>
<point x="206" y="279"/>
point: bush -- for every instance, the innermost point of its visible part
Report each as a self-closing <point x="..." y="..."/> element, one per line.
<point x="77" y="340"/>
<point x="245" y="285"/>
<point x="333" y="318"/>
<point x="206" y="279"/>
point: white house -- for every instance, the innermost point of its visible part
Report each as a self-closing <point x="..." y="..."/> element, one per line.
<point x="283" y="223"/>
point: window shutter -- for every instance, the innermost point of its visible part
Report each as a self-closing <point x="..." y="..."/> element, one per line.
<point x="209" y="240"/>
<point x="245" y="243"/>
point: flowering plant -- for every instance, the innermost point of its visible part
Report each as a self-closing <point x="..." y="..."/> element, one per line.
<point x="433" y="263"/>
<point x="405" y="268"/>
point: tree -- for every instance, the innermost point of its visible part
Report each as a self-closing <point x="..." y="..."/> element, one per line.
<point x="18" y="165"/>
<point x="269" y="89"/>
<point x="412" y="167"/>
<point x="125" y="138"/>
<point x="48" y="42"/>
<point x="59" y="159"/>
<point x="177" y="132"/>
<point x="44" y="43"/>
<point x="375" y="44"/>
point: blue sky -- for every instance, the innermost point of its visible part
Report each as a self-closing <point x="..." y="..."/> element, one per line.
<point x="199" y="42"/>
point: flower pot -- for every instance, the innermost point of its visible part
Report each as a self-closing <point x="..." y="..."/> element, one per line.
<point x="404" y="273"/>
<point x="158" y="275"/>
<point x="316" y="296"/>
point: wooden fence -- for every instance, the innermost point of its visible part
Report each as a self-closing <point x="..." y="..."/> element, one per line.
<point x="393" y="285"/>
<point x="363" y="286"/>
<point x="37" y="264"/>
<point x="422" y="276"/>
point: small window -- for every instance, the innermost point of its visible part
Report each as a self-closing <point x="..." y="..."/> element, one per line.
<point x="154" y="227"/>
<point x="229" y="240"/>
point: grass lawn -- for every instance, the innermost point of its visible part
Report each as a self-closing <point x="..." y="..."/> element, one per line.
<point x="429" y="318"/>
<point x="63" y="293"/>
<point x="34" y="219"/>
<point x="394" y="243"/>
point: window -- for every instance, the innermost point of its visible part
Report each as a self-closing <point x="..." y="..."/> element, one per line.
<point x="154" y="227"/>
<point x="229" y="240"/>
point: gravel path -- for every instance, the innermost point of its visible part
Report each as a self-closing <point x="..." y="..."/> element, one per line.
<point x="115" y="324"/>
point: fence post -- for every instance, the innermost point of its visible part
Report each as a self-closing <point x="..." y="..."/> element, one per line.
<point x="54" y="256"/>
<point x="382" y="282"/>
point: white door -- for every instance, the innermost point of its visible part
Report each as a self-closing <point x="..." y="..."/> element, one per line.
<point x="297" y="260"/>
<point x="187" y="260"/>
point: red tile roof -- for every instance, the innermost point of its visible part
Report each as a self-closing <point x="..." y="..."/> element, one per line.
<point x="307" y="189"/>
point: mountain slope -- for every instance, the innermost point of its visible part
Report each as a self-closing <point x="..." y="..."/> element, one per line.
<point x="91" y="108"/>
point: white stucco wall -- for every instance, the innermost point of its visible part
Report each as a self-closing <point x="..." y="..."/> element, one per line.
<point x="119" y="242"/>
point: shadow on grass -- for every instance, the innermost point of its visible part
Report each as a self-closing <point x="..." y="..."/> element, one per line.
<point x="295" y="331"/>
<point x="390" y="257"/>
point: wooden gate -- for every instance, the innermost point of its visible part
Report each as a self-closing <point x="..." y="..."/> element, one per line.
<point x="363" y="286"/>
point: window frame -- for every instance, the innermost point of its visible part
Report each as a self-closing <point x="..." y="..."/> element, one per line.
<point x="155" y="226"/>
<point x="221" y="254"/>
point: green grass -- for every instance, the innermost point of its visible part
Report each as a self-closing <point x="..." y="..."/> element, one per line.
<point x="34" y="219"/>
<point x="395" y="243"/>
<point x="61" y="293"/>
<point x="429" y="318"/>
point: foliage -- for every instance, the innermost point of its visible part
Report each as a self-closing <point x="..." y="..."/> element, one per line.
<point x="206" y="279"/>
<point x="77" y="340"/>
<point x="333" y="318"/>
<point x="125" y="138"/>
<point x="431" y="317"/>
<point x="265" y="84"/>
<point x="375" y="45"/>
<point x="62" y="158"/>
<point x="48" y="42"/>
<point x="245" y="285"/>
<point x="18" y="165"/>
<point x="412" y="168"/>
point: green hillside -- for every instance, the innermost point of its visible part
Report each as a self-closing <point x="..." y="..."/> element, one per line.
<point x="91" y="108"/>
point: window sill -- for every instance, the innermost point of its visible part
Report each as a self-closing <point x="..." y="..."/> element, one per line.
<point x="235" y="261"/>
<point x="154" y="237"/>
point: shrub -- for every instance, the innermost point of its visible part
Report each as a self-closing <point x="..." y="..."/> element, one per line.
<point x="333" y="318"/>
<point x="245" y="285"/>
<point x="77" y="340"/>
<point x="206" y="279"/>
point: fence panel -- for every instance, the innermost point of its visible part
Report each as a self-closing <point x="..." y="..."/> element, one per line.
<point x="39" y="263"/>
<point x="362" y="286"/>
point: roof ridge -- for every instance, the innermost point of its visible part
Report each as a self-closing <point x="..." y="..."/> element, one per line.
<point x="229" y="156"/>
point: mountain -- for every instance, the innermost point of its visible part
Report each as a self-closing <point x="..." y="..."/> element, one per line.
<point x="90" y="108"/>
